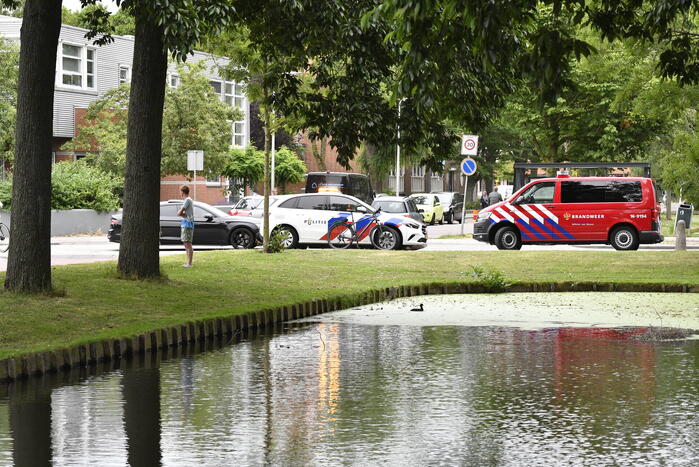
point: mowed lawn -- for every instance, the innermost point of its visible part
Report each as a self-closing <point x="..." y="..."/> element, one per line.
<point x="91" y="303"/>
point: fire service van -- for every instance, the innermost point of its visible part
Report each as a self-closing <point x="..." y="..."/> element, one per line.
<point x="622" y="212"/>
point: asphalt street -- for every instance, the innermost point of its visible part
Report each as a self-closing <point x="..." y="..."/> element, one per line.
<point x="76" y="249"/>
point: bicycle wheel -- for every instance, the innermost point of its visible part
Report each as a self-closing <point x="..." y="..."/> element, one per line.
<point x="4" y="238"/>
<point x="341" y="235"/>
<point x="384" y="238"/>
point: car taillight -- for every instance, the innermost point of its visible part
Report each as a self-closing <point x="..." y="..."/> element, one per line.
<point x="656" y="211"/>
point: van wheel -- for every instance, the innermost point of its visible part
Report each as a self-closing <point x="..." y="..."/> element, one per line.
<point x="624" y="238"/>
<point x="507" y="238"/>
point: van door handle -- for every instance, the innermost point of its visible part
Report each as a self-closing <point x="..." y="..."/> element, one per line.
<point x="550" y="206"/>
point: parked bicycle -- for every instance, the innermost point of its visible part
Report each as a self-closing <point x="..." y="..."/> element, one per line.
<point x="342" y="234"/>
<point x="4" y="236"/>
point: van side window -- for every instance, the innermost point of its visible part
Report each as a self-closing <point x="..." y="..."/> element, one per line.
<point x="538" y="193"/>
<point x="601" y="191"/>
<point x="623" y="192"/>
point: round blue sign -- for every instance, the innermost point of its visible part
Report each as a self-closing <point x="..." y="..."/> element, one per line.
<point x="468" y="166"/>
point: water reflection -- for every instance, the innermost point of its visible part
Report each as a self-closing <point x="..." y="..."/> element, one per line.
<point x="328" y="393"/>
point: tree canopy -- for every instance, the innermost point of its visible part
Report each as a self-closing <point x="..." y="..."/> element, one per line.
<point x="193" y="118"/>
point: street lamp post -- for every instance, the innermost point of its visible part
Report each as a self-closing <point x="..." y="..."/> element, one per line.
<point x="398" y="151"/>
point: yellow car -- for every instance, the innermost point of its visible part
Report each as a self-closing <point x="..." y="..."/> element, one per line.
<point x="429" y="206"/>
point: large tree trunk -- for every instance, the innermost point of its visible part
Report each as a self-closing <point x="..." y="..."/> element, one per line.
<point x="29" y="261"/>
<point x="139" y="251"/>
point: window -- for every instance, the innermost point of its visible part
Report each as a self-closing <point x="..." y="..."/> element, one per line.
<point x="538" y="193"/>
<point x="238" y="95"/>
<point x="77" y="66"/>
<point x="238" y="134"/>
<point x="418" y="171"/>
<point x="174" y="81"/>
<point x="124" y="74"/>
<point x="623" y="192"/>
<point x="170" y="210"/>
<point x="228" y="95"/>
<point x="436" y="201"/>
<point x="396" y="207"/>
<point x="312" y="202"/>
<point x="213" y="180"/>
<point x="218" y="87"/>
<point x="340" y="203"/>
<point x="412" y="207"/>
<point x="290" y="203"/>
<point x="200" y="212"/>
<point x="600" y="191"/>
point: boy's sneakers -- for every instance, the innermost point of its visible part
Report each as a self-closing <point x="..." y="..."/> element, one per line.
<point x="186" y="265"/>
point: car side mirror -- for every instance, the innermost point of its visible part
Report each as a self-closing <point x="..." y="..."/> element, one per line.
<point x="209" y="218"/>
<point x="420" y="210"/>
<point x="361" y="209"/>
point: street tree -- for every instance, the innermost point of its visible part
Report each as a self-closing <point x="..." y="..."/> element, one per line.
<point x="9" y="62"/>
<point x="245" y="165"/>
<point x="193" y="118"/>
<point x="29" y="260"/>
<point x="288" y="168"/>
<point x="161" y="27"/>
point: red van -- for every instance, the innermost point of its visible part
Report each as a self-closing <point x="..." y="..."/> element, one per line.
<point x="622" y="212"/>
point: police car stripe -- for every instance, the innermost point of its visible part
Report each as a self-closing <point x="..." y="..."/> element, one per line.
<point x="517" y="212"/>
<point x="493" y="218"/>
<point x="505" y="215"/>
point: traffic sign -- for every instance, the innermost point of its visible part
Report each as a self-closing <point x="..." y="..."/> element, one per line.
<point x="468" y="166"/>
<point x="195" y="160"/>
<point x="469" y="145"/>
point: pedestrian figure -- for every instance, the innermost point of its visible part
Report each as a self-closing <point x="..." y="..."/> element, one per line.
<point x="485" y="202"/>
<point x="494" y="197"/>
<point x="186" y="212"/>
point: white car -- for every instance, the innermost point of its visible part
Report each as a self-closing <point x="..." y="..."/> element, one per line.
<point x="306" y="219"/>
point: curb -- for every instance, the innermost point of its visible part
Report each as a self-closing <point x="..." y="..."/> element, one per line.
<point x="84" y="355"/>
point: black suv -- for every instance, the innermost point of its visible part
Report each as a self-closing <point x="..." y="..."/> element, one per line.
<point x="211" y="226"/>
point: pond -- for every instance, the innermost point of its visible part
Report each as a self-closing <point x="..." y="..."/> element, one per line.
<point x="472" y="379"/>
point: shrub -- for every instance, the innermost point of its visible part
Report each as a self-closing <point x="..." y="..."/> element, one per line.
<point x="75" y="185"/>
<point x="79" y="186"/>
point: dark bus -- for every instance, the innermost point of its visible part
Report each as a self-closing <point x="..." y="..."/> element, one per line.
<point x="356" y="185"/>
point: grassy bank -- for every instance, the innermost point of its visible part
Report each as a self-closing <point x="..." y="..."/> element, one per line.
<point x="96" y="305"/>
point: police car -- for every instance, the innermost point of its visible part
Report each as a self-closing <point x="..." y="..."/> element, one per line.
<point x="306" y="219"/>
<point x="622" y="212"/>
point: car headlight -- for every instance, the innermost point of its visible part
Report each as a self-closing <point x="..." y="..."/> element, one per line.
<point x="412" y="225"/>
<point x="483" y="215"/>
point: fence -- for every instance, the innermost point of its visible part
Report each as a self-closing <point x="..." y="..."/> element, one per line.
<point x="73" y="221"/>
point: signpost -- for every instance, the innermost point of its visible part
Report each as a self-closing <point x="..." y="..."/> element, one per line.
<point x="469" y="146"/>
<point x="195" y="161"/>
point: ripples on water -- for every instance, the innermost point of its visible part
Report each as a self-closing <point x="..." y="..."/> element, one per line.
<point x="323" y="394"/>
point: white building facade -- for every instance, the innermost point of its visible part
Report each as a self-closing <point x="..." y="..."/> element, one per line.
<point x="84" y="72"/>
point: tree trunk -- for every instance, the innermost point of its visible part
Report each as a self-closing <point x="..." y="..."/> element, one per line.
<point x="29" y="261"/>
<point x="139" y="251"/>
<point x="267" y="182"/>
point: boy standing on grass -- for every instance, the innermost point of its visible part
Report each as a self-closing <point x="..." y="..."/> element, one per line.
<point x="186" y="212"/>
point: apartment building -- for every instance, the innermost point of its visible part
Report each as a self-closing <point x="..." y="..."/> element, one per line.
<point x="84" y="72"/>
